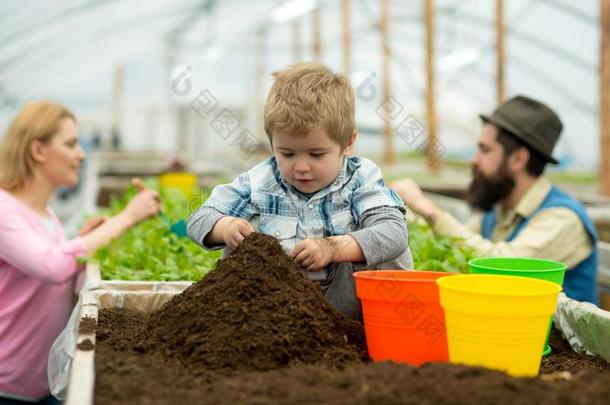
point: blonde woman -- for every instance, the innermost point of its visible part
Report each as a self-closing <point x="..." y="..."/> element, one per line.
<point x="38" y="264"/>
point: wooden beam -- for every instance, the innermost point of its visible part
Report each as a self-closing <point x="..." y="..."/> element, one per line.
<point x="297" y="50"/>
<point x="500" y="51"/>
<point x="389" y="157"/>
<point x="604" y="99"/>
<point x="261" y="67"/>
<point x="118" y="90"/>
<point x="118" y="86"/>
<point x="432" y="148"/>
<point x="317" y="35"/>
<point x="346" y="11"/>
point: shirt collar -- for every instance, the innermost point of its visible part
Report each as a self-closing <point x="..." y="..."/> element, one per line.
<point x="533" y="197"/>
<point x="530" y="201"/>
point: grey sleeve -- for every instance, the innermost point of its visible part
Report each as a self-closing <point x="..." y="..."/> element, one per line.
<point x="200" y="223"/>
<point x="384" y="240"/>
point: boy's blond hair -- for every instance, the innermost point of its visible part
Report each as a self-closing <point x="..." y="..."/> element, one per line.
<point x="37" y="121"/>
<point x="309" y="95"/>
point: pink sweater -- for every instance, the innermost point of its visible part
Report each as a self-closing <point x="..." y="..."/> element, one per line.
<point x="37" y="272"/>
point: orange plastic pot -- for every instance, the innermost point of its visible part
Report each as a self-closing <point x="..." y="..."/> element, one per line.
<point x="403" y="319"/>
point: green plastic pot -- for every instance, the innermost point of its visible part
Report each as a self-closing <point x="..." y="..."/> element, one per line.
<point x="541" y="269"/>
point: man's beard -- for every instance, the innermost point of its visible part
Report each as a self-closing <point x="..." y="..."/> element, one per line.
<point x="484" y="192"/>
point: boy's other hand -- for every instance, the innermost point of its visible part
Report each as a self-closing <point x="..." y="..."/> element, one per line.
<point x="236" y="231"/>
<point x="313" y="254"/>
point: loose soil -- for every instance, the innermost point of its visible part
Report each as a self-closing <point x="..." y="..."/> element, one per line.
<point x="130" y="377"/>
<point x="86" y="344"/>
<point x="256" y="311"/>
<point x="256" y="331"/>
<point x="87" y="325"/>
<point x="564" y="359"/>
<point x="389" y="383"/>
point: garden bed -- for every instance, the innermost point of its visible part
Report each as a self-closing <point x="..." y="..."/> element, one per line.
<point x="256" y="331"/>
<point x="126" y="375"/>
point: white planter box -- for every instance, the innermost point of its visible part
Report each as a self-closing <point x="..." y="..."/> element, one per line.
<point x="94" y="281"/>
<point x="584" y="325"/>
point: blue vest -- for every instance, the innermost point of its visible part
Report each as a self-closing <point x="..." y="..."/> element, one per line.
<point x="580" y="281"/>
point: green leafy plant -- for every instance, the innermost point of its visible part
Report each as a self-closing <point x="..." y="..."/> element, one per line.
<point x="149" y="251"/>
<point x="437" y="253"/>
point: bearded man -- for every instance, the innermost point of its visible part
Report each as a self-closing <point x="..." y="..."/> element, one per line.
<point x="523" y="213"/>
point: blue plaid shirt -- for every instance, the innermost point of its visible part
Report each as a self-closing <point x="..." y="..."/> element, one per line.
<point x="274" y="207"/>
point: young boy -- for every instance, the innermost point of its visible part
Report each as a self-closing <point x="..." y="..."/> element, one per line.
<point x="330" y="212"/>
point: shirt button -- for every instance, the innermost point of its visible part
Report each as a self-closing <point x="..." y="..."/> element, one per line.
<point x="276" y="233"/>
<point x="310" y="206"/>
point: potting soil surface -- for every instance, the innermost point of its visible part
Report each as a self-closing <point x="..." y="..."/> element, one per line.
<point x="256" y="331"/>
<point x="564" y="359"/>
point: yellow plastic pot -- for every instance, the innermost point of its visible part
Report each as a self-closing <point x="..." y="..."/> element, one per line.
<point x="498" y="322"/>
<point x="183" y="181"/>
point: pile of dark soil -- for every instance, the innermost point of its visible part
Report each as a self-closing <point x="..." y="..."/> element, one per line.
<point x="255" y="311"/>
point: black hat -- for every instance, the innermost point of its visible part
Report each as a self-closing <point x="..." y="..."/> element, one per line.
<point x="531" y="121"/>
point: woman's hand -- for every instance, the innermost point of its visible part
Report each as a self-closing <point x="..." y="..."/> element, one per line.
<point x="145" y="204"/>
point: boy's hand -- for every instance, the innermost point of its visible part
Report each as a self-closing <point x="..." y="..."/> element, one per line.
<point x="235" y="231"/>
<point x="313" y="254"/>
